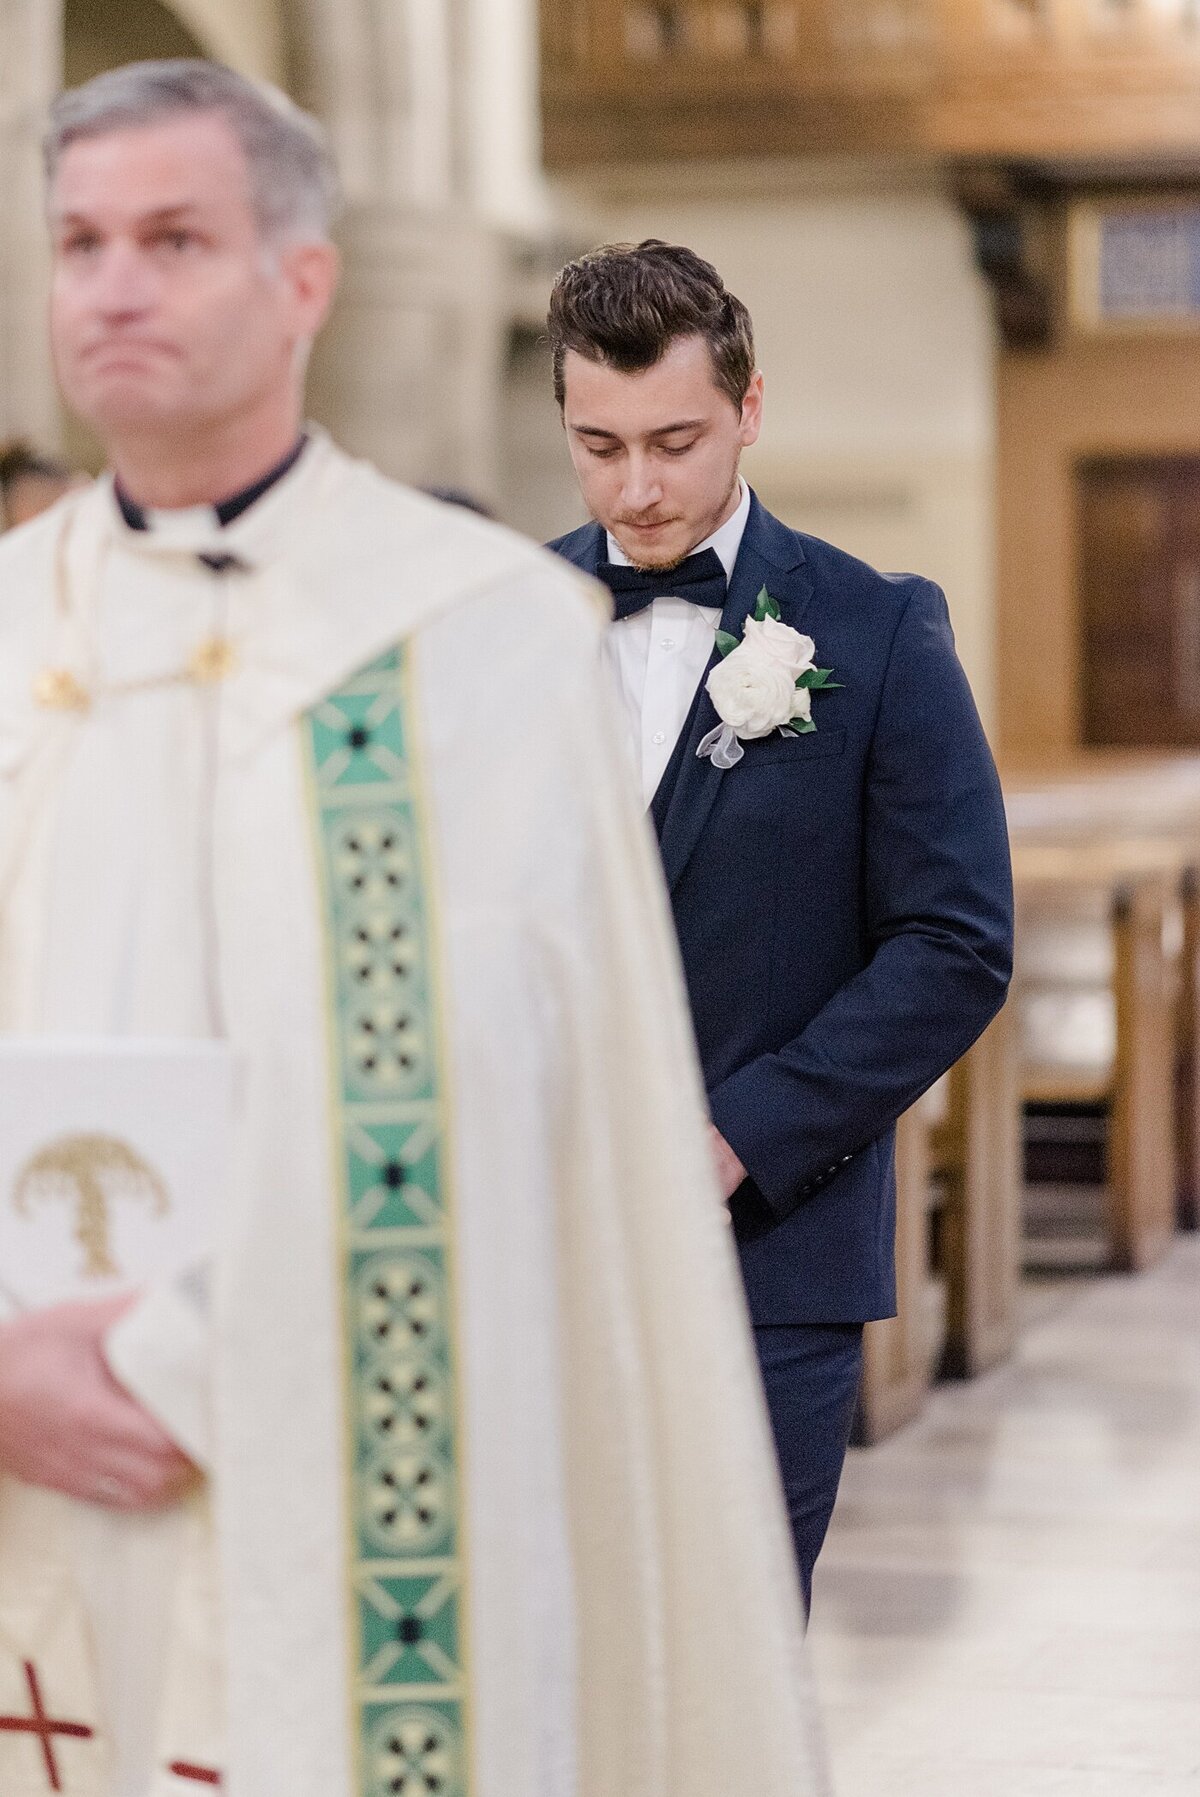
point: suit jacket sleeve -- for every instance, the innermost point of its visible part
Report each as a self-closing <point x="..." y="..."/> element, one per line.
<point x="937" y="897"/>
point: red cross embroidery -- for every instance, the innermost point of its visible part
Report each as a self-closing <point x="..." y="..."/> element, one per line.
<point x="43" y="1726"/>
<point x="201" y="1775"/>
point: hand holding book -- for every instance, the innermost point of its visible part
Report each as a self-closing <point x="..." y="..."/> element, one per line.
<point x="66" y="1424"/>
<point x="114" y="1158"/>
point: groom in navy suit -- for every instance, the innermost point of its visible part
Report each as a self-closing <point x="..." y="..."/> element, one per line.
<point x="834" y="842"/>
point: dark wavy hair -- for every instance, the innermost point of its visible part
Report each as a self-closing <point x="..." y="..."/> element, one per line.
<point x="626" y="303"/>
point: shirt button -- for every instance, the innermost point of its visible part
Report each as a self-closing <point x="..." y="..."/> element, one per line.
<point x="668" y="642"/>
<point x="660" y="736"/>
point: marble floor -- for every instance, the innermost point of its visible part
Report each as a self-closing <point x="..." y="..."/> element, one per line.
<point x="1009" y="1600"/>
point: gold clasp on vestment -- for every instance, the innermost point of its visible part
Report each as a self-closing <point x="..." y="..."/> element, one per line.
<point x="212" y="660"/>
<point x="56" y="689"/>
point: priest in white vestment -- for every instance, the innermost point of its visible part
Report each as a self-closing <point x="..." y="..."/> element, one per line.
<point x="444" y="1473"/>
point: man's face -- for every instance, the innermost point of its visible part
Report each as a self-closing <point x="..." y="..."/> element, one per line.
<point x="168" y="312"/>
<point x="656" y="452"/>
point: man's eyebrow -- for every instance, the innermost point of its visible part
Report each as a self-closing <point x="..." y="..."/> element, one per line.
<point x="660" y="430"/>
<point x="161" y="215"/>
<point x="169" y="215"/>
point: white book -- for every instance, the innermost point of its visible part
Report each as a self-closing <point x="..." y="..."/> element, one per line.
<point x="114" y="1157"/>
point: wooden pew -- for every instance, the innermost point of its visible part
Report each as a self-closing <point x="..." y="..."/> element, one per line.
<point x="1123" y="796"/>
<point x="1137" y="884"/>
<point x="1102" y="794"/>
<point x="977" y="1154"/>
<point x="1187" y="1039"/>
<point x="897" y="1352"/>
<point x="965" y="1136"/>
<point x="1122" y="832"/>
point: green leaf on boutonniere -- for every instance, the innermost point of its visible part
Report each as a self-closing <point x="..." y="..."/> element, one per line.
<point x="726" y="643"/>
<point x="819" y="680"/>
<point x="802" y="726"/>
<point x="765" y="606"/>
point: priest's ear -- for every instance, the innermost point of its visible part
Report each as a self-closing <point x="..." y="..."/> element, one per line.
<point x="309" y="272"/>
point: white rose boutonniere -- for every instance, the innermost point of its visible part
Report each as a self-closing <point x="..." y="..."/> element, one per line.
<point x="763" y="683"/>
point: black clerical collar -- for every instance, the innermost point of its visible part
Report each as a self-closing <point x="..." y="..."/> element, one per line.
<point x="226" y="510"/>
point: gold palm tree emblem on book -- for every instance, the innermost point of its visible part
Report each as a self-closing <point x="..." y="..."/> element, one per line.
<point x="92" y="1172"/>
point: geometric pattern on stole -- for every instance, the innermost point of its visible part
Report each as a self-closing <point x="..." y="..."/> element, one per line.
<point x="407" y="1575"/>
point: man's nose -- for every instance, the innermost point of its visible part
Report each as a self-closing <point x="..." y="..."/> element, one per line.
<point x="642" y="489"/>
<point x="122" y="285"/>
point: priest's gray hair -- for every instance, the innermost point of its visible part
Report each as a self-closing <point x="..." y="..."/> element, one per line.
<point x="293" y="180"/>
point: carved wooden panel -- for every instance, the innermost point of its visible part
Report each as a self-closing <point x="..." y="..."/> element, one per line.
<point x="673" y="78"/>
<point x="1139" y="559"/>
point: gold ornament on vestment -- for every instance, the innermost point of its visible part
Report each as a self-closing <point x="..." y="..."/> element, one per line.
<point x="57" y="689"/>
<point x="212" y="660"/>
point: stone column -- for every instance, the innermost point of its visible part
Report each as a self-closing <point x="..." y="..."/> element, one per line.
<point x="410" y="369"/>
<point x="409" y="372"/>
<point x="30" y="65"/>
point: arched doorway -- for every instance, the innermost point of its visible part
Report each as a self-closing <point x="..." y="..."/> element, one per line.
<point x="247" y="34"/>
<point x="98" y="38"/>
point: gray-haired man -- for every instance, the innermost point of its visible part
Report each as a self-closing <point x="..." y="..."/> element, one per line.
<point x="298" y="760"/>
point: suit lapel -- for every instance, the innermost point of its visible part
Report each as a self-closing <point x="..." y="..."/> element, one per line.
<point x="586" y="547"/>
<point x="770" y="556"/>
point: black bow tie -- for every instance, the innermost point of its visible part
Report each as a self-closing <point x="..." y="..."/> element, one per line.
<point x="698" y="578"/>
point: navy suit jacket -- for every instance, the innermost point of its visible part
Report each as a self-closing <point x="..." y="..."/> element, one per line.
<point x="844" y="907"/>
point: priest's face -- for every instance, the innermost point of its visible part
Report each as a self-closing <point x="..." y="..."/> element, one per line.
<point x="656" y="452"/>
<point x="171" y="318"/>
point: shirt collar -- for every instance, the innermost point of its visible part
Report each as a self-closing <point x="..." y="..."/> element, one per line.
<point x="726" y="539"/>
<point x="222" y="513"/>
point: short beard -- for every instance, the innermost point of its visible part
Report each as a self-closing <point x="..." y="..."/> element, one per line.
<point x="659" y="567"/>
<point x="676" y="560"/>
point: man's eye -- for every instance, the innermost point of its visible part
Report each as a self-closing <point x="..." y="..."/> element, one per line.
<point x="678" y="448"/>
<point x="81" y="243"/>
<point x="602" y="455"/>
<point x="175" y="243"/>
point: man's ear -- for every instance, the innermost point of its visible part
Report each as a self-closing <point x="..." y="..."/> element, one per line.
<point x="752" y="410"/>
<point x="312" y="271"/>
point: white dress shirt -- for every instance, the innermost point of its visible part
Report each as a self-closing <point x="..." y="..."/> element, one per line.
<point x="660" y="654"/>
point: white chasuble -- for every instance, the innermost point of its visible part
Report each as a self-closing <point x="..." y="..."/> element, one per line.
<point x="489" y="1507"/>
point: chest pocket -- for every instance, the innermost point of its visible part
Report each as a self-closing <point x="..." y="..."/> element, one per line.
<point x="796" y="751"/>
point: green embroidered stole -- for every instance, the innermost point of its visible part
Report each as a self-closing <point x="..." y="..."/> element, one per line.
<point x="406" y="1576"/>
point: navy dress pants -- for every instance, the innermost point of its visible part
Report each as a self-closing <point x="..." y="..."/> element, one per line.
<point x="811" y="1374"/>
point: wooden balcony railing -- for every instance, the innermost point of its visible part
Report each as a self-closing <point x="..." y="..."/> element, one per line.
<point x="652" y="79"/>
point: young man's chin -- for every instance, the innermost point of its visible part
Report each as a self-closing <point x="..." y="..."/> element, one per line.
<point x="651" y="551"/>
